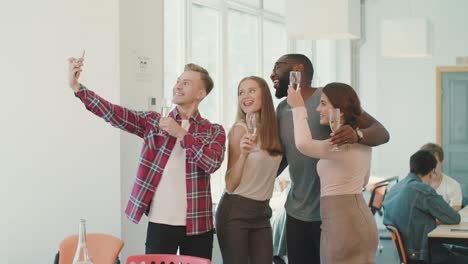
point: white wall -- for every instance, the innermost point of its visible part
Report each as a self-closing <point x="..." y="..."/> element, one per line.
<point x="333" y="62"/>
<point x="401" y="92"/>
<point x="141" y="35"/>
<point x="60" y="163"/>
<point x="343" y="61"/>
<point x="325" y="69"/>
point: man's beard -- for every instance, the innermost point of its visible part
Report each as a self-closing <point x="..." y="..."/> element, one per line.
<point x="282" y="89"/>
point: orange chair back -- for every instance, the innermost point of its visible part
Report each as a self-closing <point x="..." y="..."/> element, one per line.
<point x="166" y="259"/>
<point x="378" y="196"/>
<point x="103" y="248"/>
<point x="397" y="242"/>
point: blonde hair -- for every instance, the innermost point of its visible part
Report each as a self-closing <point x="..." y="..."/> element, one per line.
<point x="205" y="76"/>
<point x="268" y="131"/>
<point x="435" y="150"/>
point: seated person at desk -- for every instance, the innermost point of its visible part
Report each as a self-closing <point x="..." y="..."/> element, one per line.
<point x="413" y="206"/>
<point x="444" y="185"/>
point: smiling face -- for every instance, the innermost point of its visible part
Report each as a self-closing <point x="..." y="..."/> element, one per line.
<point x="189" y="89"/>
<point x="249" y="96"/>
<point x="280" y="76"/>
<point x="324" y="108"/>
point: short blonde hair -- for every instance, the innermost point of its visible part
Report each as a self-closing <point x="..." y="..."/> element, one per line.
<point x="205" y="76"/>
<point x="435" y="150"/>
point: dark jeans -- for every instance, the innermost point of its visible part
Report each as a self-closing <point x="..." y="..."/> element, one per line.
<point x="244" y="231"/>
<point x="166" y="239"/>
<point x="303" y="241"/>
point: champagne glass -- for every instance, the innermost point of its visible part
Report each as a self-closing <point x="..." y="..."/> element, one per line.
<point x="252" y="123"/>
<point x="166" y="107"/>
<point x="295" y="79"/>
<point x="334" y="119"/>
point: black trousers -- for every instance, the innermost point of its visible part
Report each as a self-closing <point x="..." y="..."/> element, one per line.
<point x="166" y="239"/>
<point x="244" y="231"/>
<point x="303" y="241"/>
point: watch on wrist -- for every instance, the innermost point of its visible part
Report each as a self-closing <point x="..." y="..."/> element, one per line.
<point x="359" y="134"/>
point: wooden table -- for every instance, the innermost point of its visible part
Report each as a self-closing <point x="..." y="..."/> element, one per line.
<point x="450" y="234"/>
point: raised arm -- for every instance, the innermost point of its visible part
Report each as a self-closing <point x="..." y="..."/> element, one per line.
<point x="302" y="133"/>
<point x="120" y="117"/>
<point x="374" y="133"/>
<point x="207" y="155"/>
<point x="239" y="145"/>
<point x="303" y="137"/>
<point x="128" y="120"/>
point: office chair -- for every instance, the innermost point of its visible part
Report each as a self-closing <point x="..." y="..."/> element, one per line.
<point x="377" y="197"/>
<point x="398" y="243"/>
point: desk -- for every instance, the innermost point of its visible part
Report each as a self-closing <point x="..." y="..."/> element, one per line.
<point x="374" y="179"/>
<point x="447" y="234"/>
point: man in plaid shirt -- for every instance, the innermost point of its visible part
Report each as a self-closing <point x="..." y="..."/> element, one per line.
<point x="179" y="153"/>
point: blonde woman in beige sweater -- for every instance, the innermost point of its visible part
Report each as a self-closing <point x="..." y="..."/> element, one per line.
<point x="243" y="216"/>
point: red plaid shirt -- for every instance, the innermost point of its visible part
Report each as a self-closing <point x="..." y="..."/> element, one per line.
<point x="204" y="146"/>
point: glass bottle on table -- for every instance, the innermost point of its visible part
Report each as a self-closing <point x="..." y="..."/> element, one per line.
<point x="82" y="255"/>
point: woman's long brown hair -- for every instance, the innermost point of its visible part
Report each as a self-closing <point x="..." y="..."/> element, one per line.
<point x="268" y="130"/>
<point x="344" y="97"/>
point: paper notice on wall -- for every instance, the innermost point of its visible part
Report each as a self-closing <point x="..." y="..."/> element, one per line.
<point x="143" y="68"/>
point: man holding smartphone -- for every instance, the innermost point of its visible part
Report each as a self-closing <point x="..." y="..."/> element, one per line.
<point x="179" y="153"/>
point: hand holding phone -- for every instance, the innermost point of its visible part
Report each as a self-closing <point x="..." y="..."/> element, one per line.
<point x="74" y="71"/>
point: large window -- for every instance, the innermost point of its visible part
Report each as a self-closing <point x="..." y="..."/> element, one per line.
<point x="232" y="40"/>
<point x="204" y="50"/>
<point x="274" y="47"/>
<point x="173" y="55"/>
<point x="242" y="56"/>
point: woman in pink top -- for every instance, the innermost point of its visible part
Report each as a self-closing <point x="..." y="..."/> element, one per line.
<point x="349" y="232"/>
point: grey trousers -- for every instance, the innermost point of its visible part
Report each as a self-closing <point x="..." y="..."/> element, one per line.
<point x="244" y="231"/>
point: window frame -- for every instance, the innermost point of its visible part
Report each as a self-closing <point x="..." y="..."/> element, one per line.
<point x="185" y="44"/>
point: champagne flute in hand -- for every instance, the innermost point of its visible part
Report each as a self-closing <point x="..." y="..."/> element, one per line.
<point x="252" y="123"/>
<point x="166" y="107"/>
<point x="334" y="118"/>
<point x="295" y="79"/>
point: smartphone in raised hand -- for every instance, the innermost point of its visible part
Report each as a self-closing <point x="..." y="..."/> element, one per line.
<point x="77" y="74"/>
<point x="82" y="55"/>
